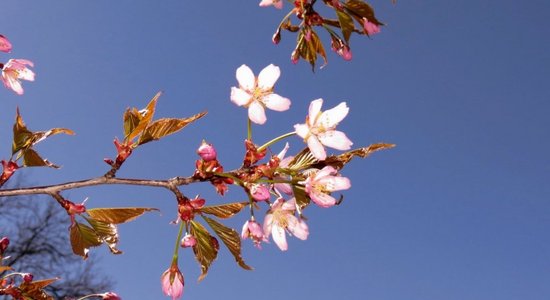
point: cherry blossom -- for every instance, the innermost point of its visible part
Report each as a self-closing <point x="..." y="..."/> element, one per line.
<point x="319" y="129"/>
<point x="370" y="28"/>
<point x="259" y="192"/>
<point x="321" y="183"/>
<point x="14" y="71"/>
<point x="283" y="163"/>
<point x="277" y="3"/>
<point x="5" y="45"/>
<point x="172" y="282"/>
<point x="281" y="218"/>
<point x="257" y="93"/>
<point x="253" y="230"/>
<point x="188" y="241"/>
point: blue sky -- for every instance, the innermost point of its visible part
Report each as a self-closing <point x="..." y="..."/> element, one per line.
<point x="459" y="210"/>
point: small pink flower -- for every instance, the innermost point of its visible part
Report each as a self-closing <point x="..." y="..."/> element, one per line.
<point x="257" y="93"/>
<point x="172" y="282"/>
<point x="259" y="192"/>
<point x="320" y="184"/>
<point x="110" y="296"/>
<point x="206" y="151"/>
<point x="277" y="3"/>
<point x="188" y="241"/>
<point x="280" y="218"/>
<point x="370" y="28"/>
<point x="5" y="45"/>
<point x="14" y="71"/>
<point x="319" y="129"/>
<point x="345" y="52"/>
<point x="253" y="230"/>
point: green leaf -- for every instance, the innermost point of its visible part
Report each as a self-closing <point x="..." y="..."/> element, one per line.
<point x="107" y="234"/>
<point x="230" y="238"/>
<point x="83" y="237"/>
<point x="145" y="119"/>
<point x="163" y="127"/>
<point x="31" y="158"/>
<point x="224" y="211"/>
<point x="206" y="249"/>
<point x="346" y="24"/>
<point x="118" y="215"/>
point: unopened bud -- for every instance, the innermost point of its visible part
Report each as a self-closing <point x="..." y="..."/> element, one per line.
<point x="259" y="192"/>
<point x="276" y="37"/>
<point x="110" y="296"/>
<point x="188" y="241"/>
<point x="207" y="152"/>
<point x="4" y="243"/>
<point x="27" y="277"/>
<point x="109" y="161"/>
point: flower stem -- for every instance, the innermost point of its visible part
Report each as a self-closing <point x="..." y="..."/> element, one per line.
<point x="249" y="130"/>
<point x="175" y="257"/>
<point x="273" y="141"/>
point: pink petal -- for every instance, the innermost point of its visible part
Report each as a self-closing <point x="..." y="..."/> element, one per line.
<point x="333" y="116"/>
<point x="5" y="45"/>
<point x="256" y="113"/>
<point x="284" y="188"/>
<point x="316" y="148"/>
<point x="326" y="171"/>
<point x="279" y="237"/>
<point x="268" y="76"/>
<point x="268" y="223"/>
<point x="12" y="84"/>
<point x="322" y="199"/>
<point x="289" y="205"/>
<point x="240" y="97"/>
<point x="314" y="110"/>
<point x="276" y="102"/>
<point x="302" y="130"/>
<point x="246" y="78"/>
<point x="298" y="228"/>
<point x="335" y="139"/>
<point x="335" y="183"/>
<point x="282" y="154"/>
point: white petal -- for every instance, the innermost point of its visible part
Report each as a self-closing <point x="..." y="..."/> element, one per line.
<point x="326" y="171"/>
<point x="246" y="78"/>
<point x="279" y="237"/>
<point x="284" y="188"/>
<point x="302" y="130"/>
<point x="335" y="183"/>
<point x="256" y="113"/>
<point x="316" y="148"/>
<point x="268" y="76"/>
<point x="276" y="102"/>
<point x="298" y="228"/>
<point x="268" y="222"/>
<point x="333" y="116"/>
<point x="314" y="110"/>
<point x="282" y="154"/>
<point x="240" y="97"/>
<point x="335" y="139"/>
<point x="289" y="205"/>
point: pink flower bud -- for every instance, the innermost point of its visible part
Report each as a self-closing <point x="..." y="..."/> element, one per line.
<point x="370" y="28"/>
<point x="276" y="38"/>
<point x="110" y="296"/>
<point x="188" y="241"/>
<point x="295" y="56"/>
<point x="5" y="45"/>
<point x="207" y="152"/>
<point x="259" y="192"/>
<point x="172" y="282"/>
<point x="4" y="243"/>
<point x="27" y="277"/>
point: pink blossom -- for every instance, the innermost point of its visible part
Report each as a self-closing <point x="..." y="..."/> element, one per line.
<point x="281" y="218"/>
<point x="110" y="296"/>
<point x="253" y="230"/>
<point x="321" y="183"/>
<point x="277" y="3"/>
<point x="319" y="129"/>
<point x="188" y="241"/>
<point x="259" y="192"/>
<point x="5" y="45"/>
<point x="284" y="161"/>
<point x="14" y="71"/>
<point x="172" y="282"/>
<point x="370" y="28"/>
<point x="257" y="93"/>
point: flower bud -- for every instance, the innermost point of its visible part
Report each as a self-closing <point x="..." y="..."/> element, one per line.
<point x="4" y="243"/>
<point x="27" y="277"/>
<point x="207" y="152"/>
<point x="276" y="38"/>
<point x="110" y="296"/>
<point x="188" y="241"/>
<point x="259" y="192"/>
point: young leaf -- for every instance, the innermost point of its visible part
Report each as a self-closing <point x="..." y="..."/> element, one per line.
<point x="163" y="127"/>
<point x="302" y="160"/>
<point x="118" y="215"/>
<point x="145" y="119"/>
<point x="339" y="161"/>
<point x="31" y="158"/>
<point x="34" y="290"/>
<point x="346" y="24"/>
<point x="230" y="238"/>
<point x="21" y="135"/>
<point x="5" y="268"/>
<point x="83" y="238"/>
<point x="224" y="211"/>
<point x="302" y="200"/>
<point x="206" y="249"/>
<point x="107" y="234"/>
<point x="359" y="9"/>
<point x="130" y="120"/>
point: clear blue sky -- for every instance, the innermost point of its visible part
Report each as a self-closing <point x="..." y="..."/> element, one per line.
<point x="459" y="210"/>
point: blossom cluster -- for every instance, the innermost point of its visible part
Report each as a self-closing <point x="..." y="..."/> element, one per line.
<point x="14" y="70"/>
